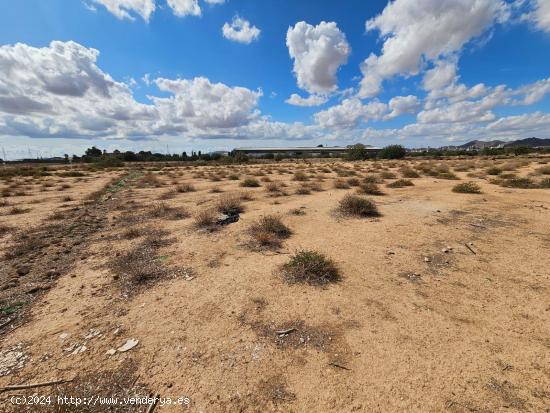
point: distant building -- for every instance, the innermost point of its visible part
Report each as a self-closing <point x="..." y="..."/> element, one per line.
<point x="298" y="150"/>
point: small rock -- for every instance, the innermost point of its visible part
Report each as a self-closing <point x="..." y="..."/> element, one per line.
<point x="130" y="344"/>
<point x="391" y="253"/>
<point x="111" y="352"/>
<point x="427" y="259"/>
<point x="24" y="270"/>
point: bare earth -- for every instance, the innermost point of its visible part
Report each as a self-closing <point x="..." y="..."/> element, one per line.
<point x="443" y="305"/>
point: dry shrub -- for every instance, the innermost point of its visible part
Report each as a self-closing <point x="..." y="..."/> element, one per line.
<point x="233" y="177"/>
<point x="409" y="173"/>
<point x="230" y="205"/>
<point x="341" y="184"/>
<point x="353" y="205"/>
<point x="545" y="170"/>
<point x="369" y="188"/>
<point x="15" y="210"/>
<point x="523" y="183"/>
<point x="400" y="183"/>
<point x="467" y="188"/>
<point x="5" y="229"/>
<point x="303" y="190"/>
<point x="387" y="175"/>
<point x="300" y="176"/>
<point x="250" y="183"/>
<point x="353" y="181"/>
<point x="163" y="210"/>
<point x="149" y="179"/>
<point x="310" y="267"/>
<point x="269" y="231"/>
<point x="205" y="219"/>
<point x="185" y="187"/>
<point x="297" y="211"/>
<point x="493" y="170"/>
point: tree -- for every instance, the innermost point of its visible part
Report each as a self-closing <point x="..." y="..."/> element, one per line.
<point x="357" y="152"/>
<point x="392" y="152"/>
<point x="93" y="152"/>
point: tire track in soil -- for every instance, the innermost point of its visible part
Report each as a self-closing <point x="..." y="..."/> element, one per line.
<point x="42" y="254"/>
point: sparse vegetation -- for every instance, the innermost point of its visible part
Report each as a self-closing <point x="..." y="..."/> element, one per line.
<point x="230" y="205"/>
<point x="352" y="205"/>
<point x="185" y="187"/>
<point x="250" y="183"/>
<point x="467" y="188"/>
<point x="310" y="267"/>
<point x="400" y="183"/>
<point x="269" y="231"/>
<point x="369" y="188"/>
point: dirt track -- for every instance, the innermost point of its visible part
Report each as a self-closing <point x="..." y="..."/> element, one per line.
<point x="443" y="303"/>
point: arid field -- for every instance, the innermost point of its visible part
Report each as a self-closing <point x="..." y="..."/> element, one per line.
<point x="300" y="286"/>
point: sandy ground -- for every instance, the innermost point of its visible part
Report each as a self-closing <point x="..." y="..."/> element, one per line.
<point x="443" y="303"/>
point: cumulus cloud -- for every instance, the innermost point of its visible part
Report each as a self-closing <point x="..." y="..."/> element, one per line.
<point x="215" y="1"/>
<point x="459" y="103"/>
<point x="206" y="105"/>
<point x="59" y="91"/>
<point x="441" y="75"/>
<point x="240" y="30"/>
<point x="126" y="9"/>
<point x="318" y="52"/>
<point x="401" y="105"/>
<point x="311" y="100"/>
<point x="185" y="7"/>
<point x="420" y="31"/>
<point x="349" y="113"/>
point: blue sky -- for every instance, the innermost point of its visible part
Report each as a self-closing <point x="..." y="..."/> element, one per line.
<point x="143" y="74"/>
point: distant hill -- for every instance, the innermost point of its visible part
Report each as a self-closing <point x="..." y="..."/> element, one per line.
<point x="530" y="142"/>
<point x="481" y="144"/>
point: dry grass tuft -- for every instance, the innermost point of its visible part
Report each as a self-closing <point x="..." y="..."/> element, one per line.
<point x="269" y="231"/>
<point x="369" y="188"/>
<point x="230" y="205"/>
<point x="250" y="183"/>
<point x="353" y="205"/>
<point x="186" y="187"/>
<point x="467" y="188"/>
<point x="400" y="183"/>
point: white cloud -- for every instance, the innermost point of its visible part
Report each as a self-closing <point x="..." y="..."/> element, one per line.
<point x="59" y="91"/>
<point x="541" y="14"/>
<point x="311" y="100"/>
<point x="215" y="1"/>
<point x="349" y="113"/>
<point x="420" y="31"/>
<point x="126" y="9"/>
<point x="401" y="105"/>
<point x="534" y="92"/>
<point x="183" y="8"/>
<point x="240" y="31"/>
<point x="318" y="52"/>
<point x="206" y="105"/>
<point x="442" y="74"/>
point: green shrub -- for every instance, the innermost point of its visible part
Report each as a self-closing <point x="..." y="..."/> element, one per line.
<point x="310" y="267"/>
<point x="467" y="188"/>
<point x="392" y="152"/>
